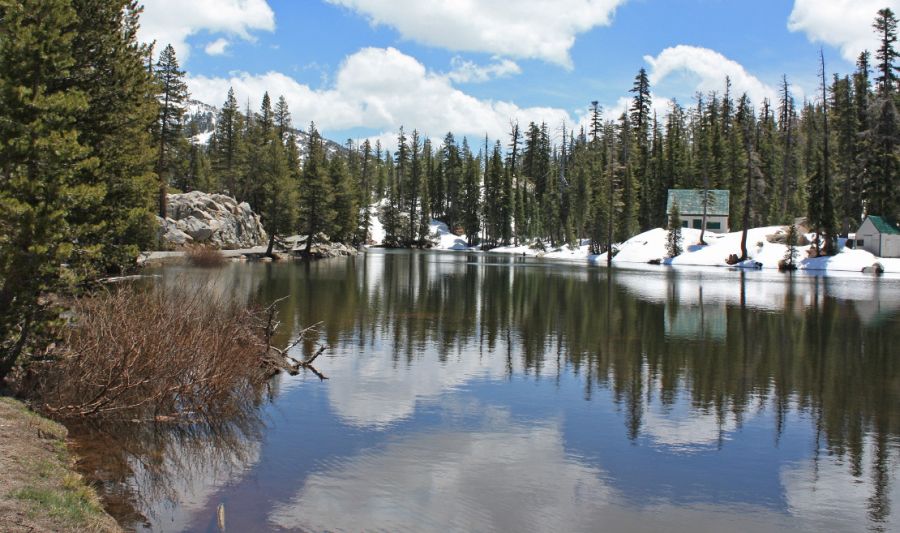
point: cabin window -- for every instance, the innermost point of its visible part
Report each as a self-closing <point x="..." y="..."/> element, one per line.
<point x="859" y="243"/>
<point x="684" y="224"/>
<point x="713" y="225"/>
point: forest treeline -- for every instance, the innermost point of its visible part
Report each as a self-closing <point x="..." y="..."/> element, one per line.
<point x="95" y="134"/>
<point x="831" y="157"/>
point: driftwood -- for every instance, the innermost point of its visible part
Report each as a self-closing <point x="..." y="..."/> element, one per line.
<point x="278" y="359"/>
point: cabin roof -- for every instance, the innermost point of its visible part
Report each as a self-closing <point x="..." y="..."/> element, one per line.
<point x="883" y="225"/>
<point x="690" y="202"/>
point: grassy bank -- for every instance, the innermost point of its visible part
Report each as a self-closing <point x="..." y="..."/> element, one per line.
<point x="39" y="489"/>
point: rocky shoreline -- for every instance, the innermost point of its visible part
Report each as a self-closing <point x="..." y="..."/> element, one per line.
<point x="219" y="222"/>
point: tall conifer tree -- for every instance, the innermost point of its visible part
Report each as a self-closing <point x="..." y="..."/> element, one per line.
<point x="172" y="96"/>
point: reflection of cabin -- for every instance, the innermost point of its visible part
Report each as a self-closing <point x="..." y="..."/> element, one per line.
<point x="696" y="322"/>
<point x="879" y="236"/>
<point x="690" y="208"/>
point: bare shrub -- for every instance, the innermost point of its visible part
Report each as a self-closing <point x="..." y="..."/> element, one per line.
<point x="205" y="257"/>
<point x="182" y="353"/>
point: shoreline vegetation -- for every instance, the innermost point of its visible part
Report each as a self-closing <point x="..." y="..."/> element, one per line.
<point x="184" y="359"/>
<point x="40" y="490"/>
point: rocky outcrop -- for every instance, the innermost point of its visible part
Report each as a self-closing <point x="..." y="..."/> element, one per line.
<point x="780" y="237"/>
<point x="322" y="247"/>
<point x="215" y="220"/>
<point x="328" y="250"/>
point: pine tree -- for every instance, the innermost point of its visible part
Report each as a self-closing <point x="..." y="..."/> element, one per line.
<point x="282" y="118"/>
<point x="513" y="164"/>
<point x="278" y="191"/>
<point x="471" y="195"/>
<point x="453" y="177"/>
<point x="826" y="222"/>
<point x="744" y="120"/>
<point x="345" y="207"/>
<point x="390" y="215"/>
<point x="845" y="154"/>
<point x="259" y="133"/>
<point x="172" y="96"/>
<point x="41" y="158"/>
<point x="789" y="262"/>
<point x="365" y="189"/>
<point x="497" y="208"/>
<point x="861" y="101"/>
<point x="883" y="138"/>
<point x="787" y="119"/>
<point x="627" y="226"/>
<point x="640" y="123"/>
<point x="674" y="239"/>
<point x="766" y="212"/>
<point x="424" y="228"/>
<point x="885" y="26"/>
<point x="316" y="196"/>
<point x="614" y="177"/>
<point x="266" y="118"/>
<point x="415" y="185"/>
<point x="116" y="124"/>
<point x="229" y="154"/>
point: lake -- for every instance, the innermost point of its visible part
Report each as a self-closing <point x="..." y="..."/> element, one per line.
<point x="472" y="392"/>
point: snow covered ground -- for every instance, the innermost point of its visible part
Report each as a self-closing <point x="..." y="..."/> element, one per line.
<point x="651" y="246"/>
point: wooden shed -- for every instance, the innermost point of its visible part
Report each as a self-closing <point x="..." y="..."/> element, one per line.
<point x="878" y="236"/>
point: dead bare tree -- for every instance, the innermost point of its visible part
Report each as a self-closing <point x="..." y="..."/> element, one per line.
<point x="278" y="359"/>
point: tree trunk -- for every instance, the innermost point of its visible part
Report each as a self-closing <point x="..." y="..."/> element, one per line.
<point x="705" y="208"/>
<point x="271" y="245"/>
<point x="785" y="177"/>
<point x="8" y="360"/>
<point x="748" y="195"/>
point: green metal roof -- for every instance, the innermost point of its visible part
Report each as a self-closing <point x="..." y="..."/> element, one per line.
<point x="884" y="226"/>
<point x="690" y="202"/>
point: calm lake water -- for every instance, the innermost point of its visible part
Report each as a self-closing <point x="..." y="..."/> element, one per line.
<point x="469" y="392"/>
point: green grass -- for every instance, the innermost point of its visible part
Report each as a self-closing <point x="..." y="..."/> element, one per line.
<point x="55" y="491"/>
<point x="73" y="503"/>
<point x="48" y="428"/>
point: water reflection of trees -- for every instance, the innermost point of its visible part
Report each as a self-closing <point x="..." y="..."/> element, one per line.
<point x="142" y="467"/>
<point x="729" y="344"/>
<point x="806" y="351"/>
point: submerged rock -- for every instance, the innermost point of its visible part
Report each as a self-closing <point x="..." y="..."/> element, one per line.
<point x="213" y="220"/>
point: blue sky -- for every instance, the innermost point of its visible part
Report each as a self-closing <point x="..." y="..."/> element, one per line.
<point x="365" y="67"/>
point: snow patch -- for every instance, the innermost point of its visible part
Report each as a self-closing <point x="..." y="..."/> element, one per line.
<point x="445" y="240"/>
<point x="650" y="246"/>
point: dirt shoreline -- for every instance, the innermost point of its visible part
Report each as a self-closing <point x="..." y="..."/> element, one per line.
<point x="40" y="491"/>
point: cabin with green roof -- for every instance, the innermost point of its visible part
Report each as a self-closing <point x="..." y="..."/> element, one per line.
<point x="690" y="208"/>
<point x="879" y="236"/>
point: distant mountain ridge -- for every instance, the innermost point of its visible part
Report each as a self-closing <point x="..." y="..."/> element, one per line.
<point x="204" y="116"/>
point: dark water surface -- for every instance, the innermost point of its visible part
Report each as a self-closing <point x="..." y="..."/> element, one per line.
<point x="479" y="393"/>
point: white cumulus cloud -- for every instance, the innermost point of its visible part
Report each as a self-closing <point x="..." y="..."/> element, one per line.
<point x="844" y="24"/>
<point x="173" y="21"/>
<point x="523" y="29"/>
<point x="465" y="71"/>
<point x="710" y="68"/>
<point x="380" y="89"/>
<point x="217" y="47"/>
